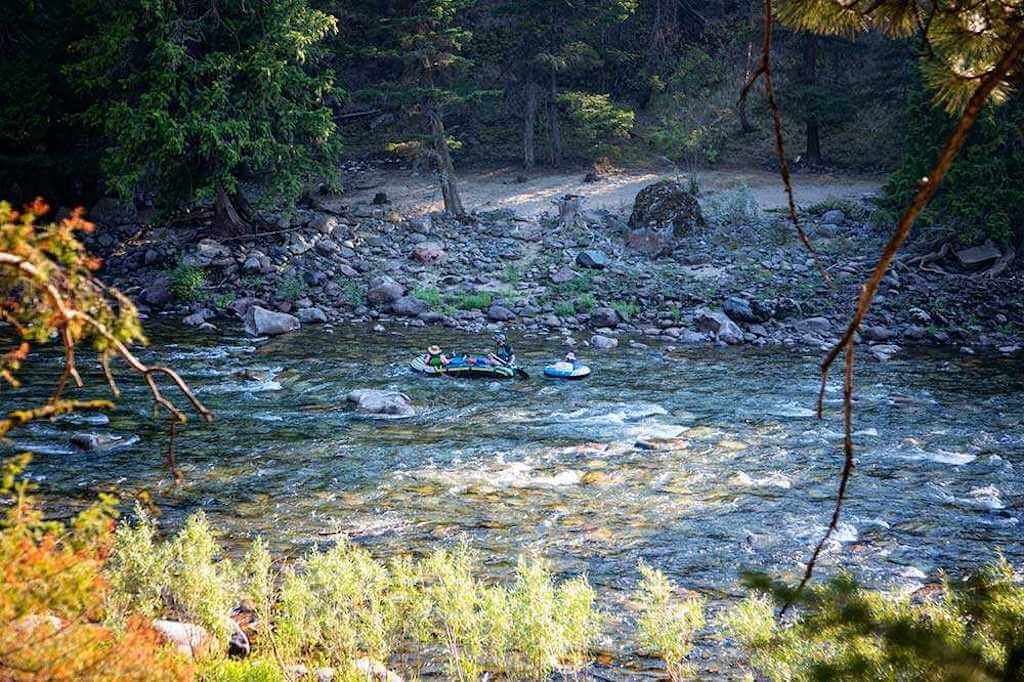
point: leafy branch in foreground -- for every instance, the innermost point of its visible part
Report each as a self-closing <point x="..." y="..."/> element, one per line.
<point x="47" y="290"/>
<point x="973" y="54"/>
<point x="973" y="630"/>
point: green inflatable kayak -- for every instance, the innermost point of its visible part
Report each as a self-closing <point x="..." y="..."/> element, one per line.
<point x="463" y="366"/>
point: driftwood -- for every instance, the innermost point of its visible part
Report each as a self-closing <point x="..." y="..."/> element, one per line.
<point x="928" y="263"/>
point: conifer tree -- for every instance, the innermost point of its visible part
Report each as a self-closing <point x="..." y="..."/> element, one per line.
<point x="199" y="96"/>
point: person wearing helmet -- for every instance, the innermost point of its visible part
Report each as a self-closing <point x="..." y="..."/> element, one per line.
<point x="503" y="354"/>
<point x="570" y="358"/>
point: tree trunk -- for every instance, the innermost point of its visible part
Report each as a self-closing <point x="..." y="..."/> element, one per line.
<point x="529" y="124"/>
<point x="556" y="133"/>
<point x="446" y="170"/>
<point x="810" y="81"/>
<point x="748" y="70"/>
<point x="228" y="221"/>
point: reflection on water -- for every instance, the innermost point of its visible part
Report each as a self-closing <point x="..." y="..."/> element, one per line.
<point x="701" y="462"/>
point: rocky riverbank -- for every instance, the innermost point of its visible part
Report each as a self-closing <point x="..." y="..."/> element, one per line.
<point x="670" y="269"/>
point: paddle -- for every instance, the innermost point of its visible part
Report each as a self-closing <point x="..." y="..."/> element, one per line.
<point x="522" y="374"/>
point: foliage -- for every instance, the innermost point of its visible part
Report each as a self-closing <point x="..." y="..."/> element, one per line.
<point x="197" y="97"/>
<point x="52" y="599"/>
<point x="565" y="309"/>
<point x="667" y="624"/>
<point x="734" y="208"/>
<point x="585" y="302"/>
<point x="983" y="193"/>
<point x="429" y="295"/>
<point x="247" y="670"/>
<point x="480" y="300"/>
<point x="290" y="288"/>
<point x="598" y="123"/>
<point x="188" y="283"/>
<point x="973" y="631"/>
<point x="626" y="309"/>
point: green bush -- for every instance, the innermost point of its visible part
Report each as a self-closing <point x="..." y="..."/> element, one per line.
<point x="585" y="302"/>
<point x="429" y="295"/>
<point x="480" y="300"/>
<point x="565" y="309"/>
<point x="626" y="310"/>
<point x="597" y="122"/>
<point x="290" y="289"/>
<point x="667" y="623"/>
<point x="982" y="195"/>
<point x="188" y="283"/>
<point x="974" y="630"/>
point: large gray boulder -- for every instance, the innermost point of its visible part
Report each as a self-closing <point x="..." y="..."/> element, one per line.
<point x="662" y="213"/>
<point x="383" y="290"/>
<point x="409" y="306"/>
<point x="383" y="403"/>
<point x="499" y="313"/>
<point x="604" y="317"/>
<point x="428" y="252"/>
<point x="593" y="259"/>
<point x="158" y="292"/>
<point x="603" y="342"/>
<point x="746" y="310"/>
<point x="262" y="322"/>
<point x="718" y="324"/>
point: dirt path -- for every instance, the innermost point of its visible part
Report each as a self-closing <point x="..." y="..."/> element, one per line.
<point x="486" y="190"/>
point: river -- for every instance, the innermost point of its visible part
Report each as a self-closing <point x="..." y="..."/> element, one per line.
<point x="702" y="462"/>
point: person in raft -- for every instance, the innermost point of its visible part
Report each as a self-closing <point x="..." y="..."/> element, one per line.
<point x="503" y="354"/>
<point x="435" y="358"/>
<point x="570" y="358"/>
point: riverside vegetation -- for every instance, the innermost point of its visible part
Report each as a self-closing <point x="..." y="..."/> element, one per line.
<point x="213" y="117"/>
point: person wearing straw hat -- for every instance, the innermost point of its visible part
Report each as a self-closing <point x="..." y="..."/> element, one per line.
<point x="435" y="358"/>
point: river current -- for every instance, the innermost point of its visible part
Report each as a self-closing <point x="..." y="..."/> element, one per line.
<point x="702" y="462"/>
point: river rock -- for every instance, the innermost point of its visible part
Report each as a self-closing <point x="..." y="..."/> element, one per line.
<point x="409" y="306"/>
<point x="192" y="640"/>
<point x="387" y="403"/>
<point x="312" y="315"/>
<point x="158" y="292"/>
<point x="101" y="442"/>
<point x="197" y="318"/>
<point x="833" y="216"/>
<point x="499" y="313"/>
<point x="262" y="322"/>
<point x="877" y="333"/>
<point x="662" y="213"/>
<point x="746" y="310"/>
<point x="594" y="259"/>
<point x="604" y="317"/>
<point x="720" y="325"/>
<point x="603" y="342"/>
<point x="428" y="252"/>
<point x="884" y="352"/>
<point x="383" y="290"/>
<point x="325" y="224"/>
<point x="813" y="325"/>
<point x="563" y="275"/>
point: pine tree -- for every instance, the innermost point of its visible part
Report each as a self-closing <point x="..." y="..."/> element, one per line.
<point x="548" y="40"/>
<point x="199" y="97"/>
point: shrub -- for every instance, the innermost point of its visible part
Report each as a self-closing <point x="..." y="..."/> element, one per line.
<point x="667" y="624"/>
<point x="597" y="121"/>
<point x="188" y="283"/>
<point x="625" y="309"/>
<point x="565" y="309"/>
<point x="735" y="208"/>
<point x="429" y="295"/>
<point x="52" y="599"/>
<point x="480" y="300"/>
<point x="584" y="302"/>
<point x="290" y="289"/>
<point x="973" y="631"/>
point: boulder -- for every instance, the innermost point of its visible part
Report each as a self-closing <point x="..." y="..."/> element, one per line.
<point x="813" y="325"/>
<point x="833" y="217"/>
<point x="197" y="318"/>
<point x="563" y="275"/>
<point x="877" y="333"/>
<point x="383" y="290"/>
<point x="786" y="308"/>
<point x="409" y="306"/>
<point x="719" y="325"/>
<point x="593" y="259"/>
<point x="158" y="292"/>
<point x="604" y="317"/>
<point x="262" y="322"/>
<point x="111" y="212"/>
<point x="101" y="442"/>
<point x="325" y="224"/>
<point x="746" y="310"/>
<point x="884" y="352"/>
<point x="190" y="639"/>
<point x="428" y="252"/>
<point x="312" y="315"/>
<point x="603" y="342"/>
<point x="385" y="403"/>
<point x="499" y="313"/>
<point x="662" y="213"/>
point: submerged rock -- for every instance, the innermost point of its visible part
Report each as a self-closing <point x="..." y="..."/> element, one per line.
<point x="387" y="403"/>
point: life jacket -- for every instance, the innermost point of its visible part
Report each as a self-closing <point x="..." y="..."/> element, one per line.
<point x="505" y="353"/>
<point x="434" y="360"/>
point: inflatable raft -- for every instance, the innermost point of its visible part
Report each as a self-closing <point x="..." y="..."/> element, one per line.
<point x="566" y="370"/>
<point x="476" y="367"/>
